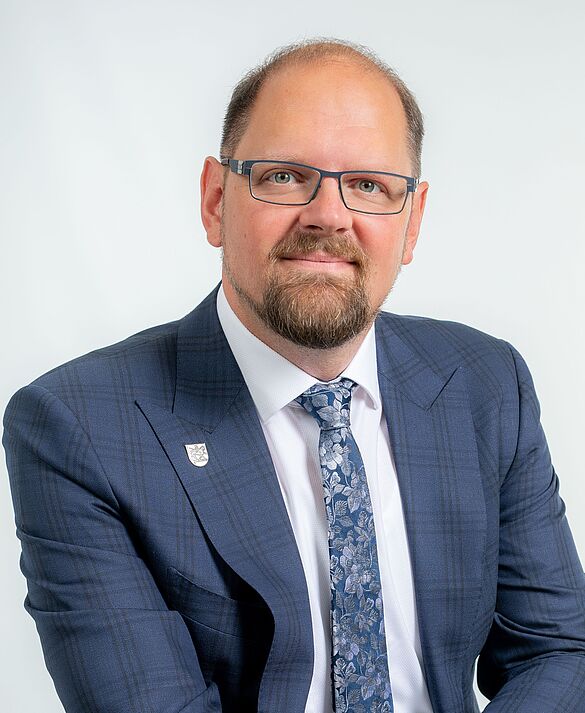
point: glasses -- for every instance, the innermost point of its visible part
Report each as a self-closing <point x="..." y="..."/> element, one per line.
<point x="286" y="183"/>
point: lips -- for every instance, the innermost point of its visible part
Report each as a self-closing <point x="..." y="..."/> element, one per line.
<point x="318" y="257"/>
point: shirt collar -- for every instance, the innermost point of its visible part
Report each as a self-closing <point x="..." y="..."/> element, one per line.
<point x="272" y="380"/>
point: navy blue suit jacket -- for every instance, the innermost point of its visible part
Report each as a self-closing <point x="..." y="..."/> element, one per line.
<point x="160" y="587"/>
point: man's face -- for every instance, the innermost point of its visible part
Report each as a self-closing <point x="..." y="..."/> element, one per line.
<point x="315" y="274"/>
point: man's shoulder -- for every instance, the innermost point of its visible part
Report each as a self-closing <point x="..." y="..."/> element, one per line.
<point x="144" y="361"/>
<point x="445" y="345"/>
<point x="437" y="333"/>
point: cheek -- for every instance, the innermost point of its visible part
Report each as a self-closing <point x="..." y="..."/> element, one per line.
<point x="385" y="250"/>
<point x="385" y="261"/>
<point x="259" y="228"/>
<point x="272" y="223"/>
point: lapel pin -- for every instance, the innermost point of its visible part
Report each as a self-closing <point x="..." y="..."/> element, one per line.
<point x="197" y="453"/>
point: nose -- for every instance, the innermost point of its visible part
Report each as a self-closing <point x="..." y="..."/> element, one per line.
<point x="326" y="211"/>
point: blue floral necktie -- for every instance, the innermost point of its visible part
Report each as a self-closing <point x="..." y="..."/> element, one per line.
<point x="361" y="680"/>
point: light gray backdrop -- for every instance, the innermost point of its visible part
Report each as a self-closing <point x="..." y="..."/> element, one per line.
<point x="109" y="107"/>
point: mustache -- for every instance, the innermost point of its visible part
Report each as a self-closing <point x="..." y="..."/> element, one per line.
<point x="305" y="243"/>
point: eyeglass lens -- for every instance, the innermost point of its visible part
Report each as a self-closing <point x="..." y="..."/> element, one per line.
<point x="295" y="185"/>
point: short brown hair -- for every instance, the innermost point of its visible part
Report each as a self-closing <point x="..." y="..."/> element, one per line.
<point x="245" y="92"/>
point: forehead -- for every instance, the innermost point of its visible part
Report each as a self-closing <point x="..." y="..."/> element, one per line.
<point x="334" y="114"/>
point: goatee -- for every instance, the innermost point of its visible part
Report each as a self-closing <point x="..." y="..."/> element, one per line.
<point x="317" y="310"/>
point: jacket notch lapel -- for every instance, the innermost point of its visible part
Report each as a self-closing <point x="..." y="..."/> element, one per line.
<point x="432" y="439"/>
<point x="236" y="494"/>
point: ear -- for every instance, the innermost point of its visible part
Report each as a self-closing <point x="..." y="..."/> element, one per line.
<point x="211" y="184"/>
<point x="419" y="199"/>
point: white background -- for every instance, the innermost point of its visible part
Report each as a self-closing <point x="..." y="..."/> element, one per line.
<point x="109" y="107"/>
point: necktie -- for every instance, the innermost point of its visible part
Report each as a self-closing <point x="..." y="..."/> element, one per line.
<point x="360" y="676"/>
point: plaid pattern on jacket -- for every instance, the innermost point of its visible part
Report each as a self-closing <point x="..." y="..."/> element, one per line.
<point x="160" y="587"/>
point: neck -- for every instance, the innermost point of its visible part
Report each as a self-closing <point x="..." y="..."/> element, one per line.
<point x="323" y="364"/>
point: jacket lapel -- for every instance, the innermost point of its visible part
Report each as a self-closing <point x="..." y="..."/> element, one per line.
<point x="433" y="443"/>
<point x="237" y="496"/>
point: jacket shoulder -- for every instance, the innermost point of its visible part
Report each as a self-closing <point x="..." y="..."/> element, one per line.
<point x="146" y="359"/>
<point x="440" y="333"/>
<point x="445" y="345"/>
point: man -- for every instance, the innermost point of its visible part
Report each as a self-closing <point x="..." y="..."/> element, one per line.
<point x="288" y="501"/>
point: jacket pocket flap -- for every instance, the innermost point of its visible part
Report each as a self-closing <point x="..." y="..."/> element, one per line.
<point x="235" y="617"/>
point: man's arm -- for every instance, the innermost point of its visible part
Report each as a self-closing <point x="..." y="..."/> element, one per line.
<point x="534" y="658"/>
<point x="110" y="643"/>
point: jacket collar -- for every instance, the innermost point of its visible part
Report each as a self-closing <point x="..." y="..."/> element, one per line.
<point x="209" y="379"/>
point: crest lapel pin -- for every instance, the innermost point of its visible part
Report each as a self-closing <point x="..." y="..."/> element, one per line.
<point x="197" y="453"/>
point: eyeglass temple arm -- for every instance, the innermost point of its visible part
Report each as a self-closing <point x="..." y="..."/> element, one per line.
<point x="235" y="165"/>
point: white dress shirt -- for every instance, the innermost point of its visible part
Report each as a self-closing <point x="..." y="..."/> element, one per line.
<point x="293" y="436"/>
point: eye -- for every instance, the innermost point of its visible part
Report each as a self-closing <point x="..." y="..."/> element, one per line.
<point x="368" y="186"/>
<point x="281" y="178"/>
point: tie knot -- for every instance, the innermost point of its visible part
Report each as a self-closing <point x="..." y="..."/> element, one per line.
<point x="329" y="403"/>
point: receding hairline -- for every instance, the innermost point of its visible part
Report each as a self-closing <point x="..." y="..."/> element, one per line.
<point x="330" y="52"/>
<point x="322" y="50"/>
<point x="326" y="60"/>
<point x="310" y="51"/>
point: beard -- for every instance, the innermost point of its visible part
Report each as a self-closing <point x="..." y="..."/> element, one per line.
<point x="312" y="309"/>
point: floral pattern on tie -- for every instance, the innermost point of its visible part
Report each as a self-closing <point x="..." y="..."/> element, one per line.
<point x="361" y="680"/>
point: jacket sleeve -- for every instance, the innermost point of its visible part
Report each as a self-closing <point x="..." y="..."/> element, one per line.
<point x="534" y="656"/>
<point x="109" y="641"/>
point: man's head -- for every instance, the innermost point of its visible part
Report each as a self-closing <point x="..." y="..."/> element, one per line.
<point x="315" y="52"/>
<point x="315" y="274"/>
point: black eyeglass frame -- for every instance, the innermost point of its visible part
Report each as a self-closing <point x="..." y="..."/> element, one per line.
<point x="244" y="168"/>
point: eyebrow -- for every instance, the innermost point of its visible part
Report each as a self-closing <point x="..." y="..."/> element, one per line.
<point x="280" y="157"/>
